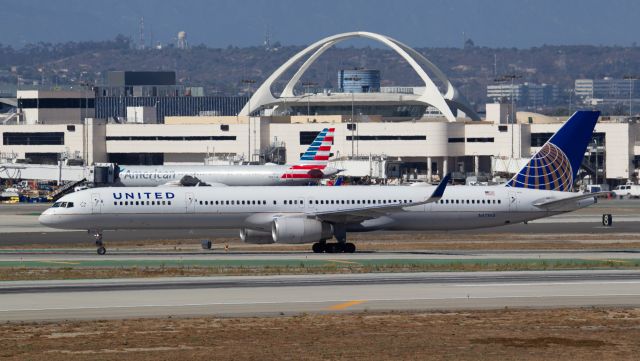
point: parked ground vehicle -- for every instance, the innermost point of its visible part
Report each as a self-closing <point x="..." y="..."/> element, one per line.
<point x="628" y="190"/>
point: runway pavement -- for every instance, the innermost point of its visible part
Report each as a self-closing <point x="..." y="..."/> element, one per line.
<point x="275" y="295"/>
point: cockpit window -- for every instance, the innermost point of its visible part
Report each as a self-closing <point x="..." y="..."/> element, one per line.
<point x="63" y="205"/>
<point x="69" y="204"/>
<point x="56" y="205"/>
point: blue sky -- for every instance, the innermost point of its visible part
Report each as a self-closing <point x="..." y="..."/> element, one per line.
<point x="429" y="23"/>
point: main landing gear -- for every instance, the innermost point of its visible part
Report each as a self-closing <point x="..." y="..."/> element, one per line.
<point x="98" y="237"/>
<point x="340" y="247"/>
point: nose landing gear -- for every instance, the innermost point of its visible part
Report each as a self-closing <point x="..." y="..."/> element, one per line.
<point x="98" y="237"/>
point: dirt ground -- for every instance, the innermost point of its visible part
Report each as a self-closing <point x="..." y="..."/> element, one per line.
<point x="507" y="334"/>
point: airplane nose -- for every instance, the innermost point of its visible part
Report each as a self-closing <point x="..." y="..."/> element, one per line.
<point x="46" y="219"/>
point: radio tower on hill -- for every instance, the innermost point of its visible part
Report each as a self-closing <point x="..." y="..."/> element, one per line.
<point x="141" y="34"/>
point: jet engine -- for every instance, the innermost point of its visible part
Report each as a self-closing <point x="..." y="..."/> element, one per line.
<point x="255" y="237"/>
<point x="300" y="230"/>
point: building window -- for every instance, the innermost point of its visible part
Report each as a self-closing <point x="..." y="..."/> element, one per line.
<point x="224" y="127"/>
<point x="171" y="138"/>
<point x="71" y="128"/>
<point x="480" y="140"/>
<point x="538" y="139"/>
<point x="307" y="138"/>
<point x="56" y="103"/>
<point x="351" y="126"/>
<point x="502" y="128"/>
<point x="387" y="137"/>
<point x="456" y="140"/>
<point x="44" y="138"/>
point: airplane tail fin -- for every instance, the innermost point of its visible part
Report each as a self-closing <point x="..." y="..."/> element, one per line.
<point x="556" y="164"/>
<point x="315" y="159"/>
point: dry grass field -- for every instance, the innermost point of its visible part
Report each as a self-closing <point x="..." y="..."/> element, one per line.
<point x="508" y="334"/>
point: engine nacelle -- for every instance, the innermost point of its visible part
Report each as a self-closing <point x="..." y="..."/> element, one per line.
<point x="256" y="237"/>
<point x="300" y="230"/>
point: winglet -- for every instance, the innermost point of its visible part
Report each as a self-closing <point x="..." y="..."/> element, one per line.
<point x="439" y="191"/>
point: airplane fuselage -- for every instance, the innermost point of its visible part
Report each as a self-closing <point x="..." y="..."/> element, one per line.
<point x="231" y="175"/>
<point x="461" y="207"/>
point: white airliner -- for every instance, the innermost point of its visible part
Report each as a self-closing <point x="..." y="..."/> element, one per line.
<point x="311" y="168"/>
<point x="317" y="214"/>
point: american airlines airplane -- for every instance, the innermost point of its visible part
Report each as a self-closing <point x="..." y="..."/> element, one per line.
<point x="317" y="214"/>
<point x="311" y="168"/>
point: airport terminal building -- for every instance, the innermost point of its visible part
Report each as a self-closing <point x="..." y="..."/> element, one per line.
<point x="380" y="133"/>
<point x="415" y="150"/>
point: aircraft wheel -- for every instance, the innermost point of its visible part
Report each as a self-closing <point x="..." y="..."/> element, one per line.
<point x="102" y="251"/>
<point x="349" y="248"/>
<point x="317" y="247"/>
<point x="331" y="248"/>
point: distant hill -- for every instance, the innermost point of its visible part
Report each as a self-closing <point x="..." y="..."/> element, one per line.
<point x="220" y="71"/>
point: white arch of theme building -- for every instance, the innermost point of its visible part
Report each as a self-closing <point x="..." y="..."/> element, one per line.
<point x="431" y="95"/>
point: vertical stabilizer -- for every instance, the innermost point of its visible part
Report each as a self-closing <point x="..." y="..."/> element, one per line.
<point x="556" y="164"/>
<point x="315" y="158"/>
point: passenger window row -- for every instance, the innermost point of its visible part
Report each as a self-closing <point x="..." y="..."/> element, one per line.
<point x="233" y="202"/>
<point x="142" y="203"/>
<point x="362" y="201"/>
<point x="469" y="201"/>
<point x="302" y="202"/>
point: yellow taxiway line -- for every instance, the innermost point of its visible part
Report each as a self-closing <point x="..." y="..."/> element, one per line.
<point x="345" y="305"/>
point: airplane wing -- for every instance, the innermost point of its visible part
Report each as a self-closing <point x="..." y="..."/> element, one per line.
<point x="558" y="204"/>
<point x="375" y="211"/>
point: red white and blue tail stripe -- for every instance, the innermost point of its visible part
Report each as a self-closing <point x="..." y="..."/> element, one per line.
<point x="315" y="159"/>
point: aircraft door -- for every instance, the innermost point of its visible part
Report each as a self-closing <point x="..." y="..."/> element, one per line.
<point x="96" y="203"/>
<point x="513" y="201"/>
<point x="190" y="203"/>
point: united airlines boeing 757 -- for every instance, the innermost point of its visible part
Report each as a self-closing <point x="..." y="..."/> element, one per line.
<point x="317" y="214"/>
<point x="311" y="168"/>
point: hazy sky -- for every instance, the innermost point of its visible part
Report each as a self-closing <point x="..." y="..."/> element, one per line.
<point x="218" y="23"/>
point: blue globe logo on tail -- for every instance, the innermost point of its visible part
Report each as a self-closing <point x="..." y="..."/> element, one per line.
<point x="548" y="169"/>
<point x="555" y="165"/>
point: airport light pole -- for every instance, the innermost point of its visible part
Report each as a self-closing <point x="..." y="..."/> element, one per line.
<point x="85" y="131"/>
<point x="570" y="96"/>
<point x="249" y="83"/>
<point x="353" y="124"/>
<point x="308" y="85"/>
<point x="631" y="78"/>
<point x="503" y="79"/>
<point x="595" y="141"/>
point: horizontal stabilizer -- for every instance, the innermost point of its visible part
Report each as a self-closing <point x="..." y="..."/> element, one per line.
<point x="557" y="204"/>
